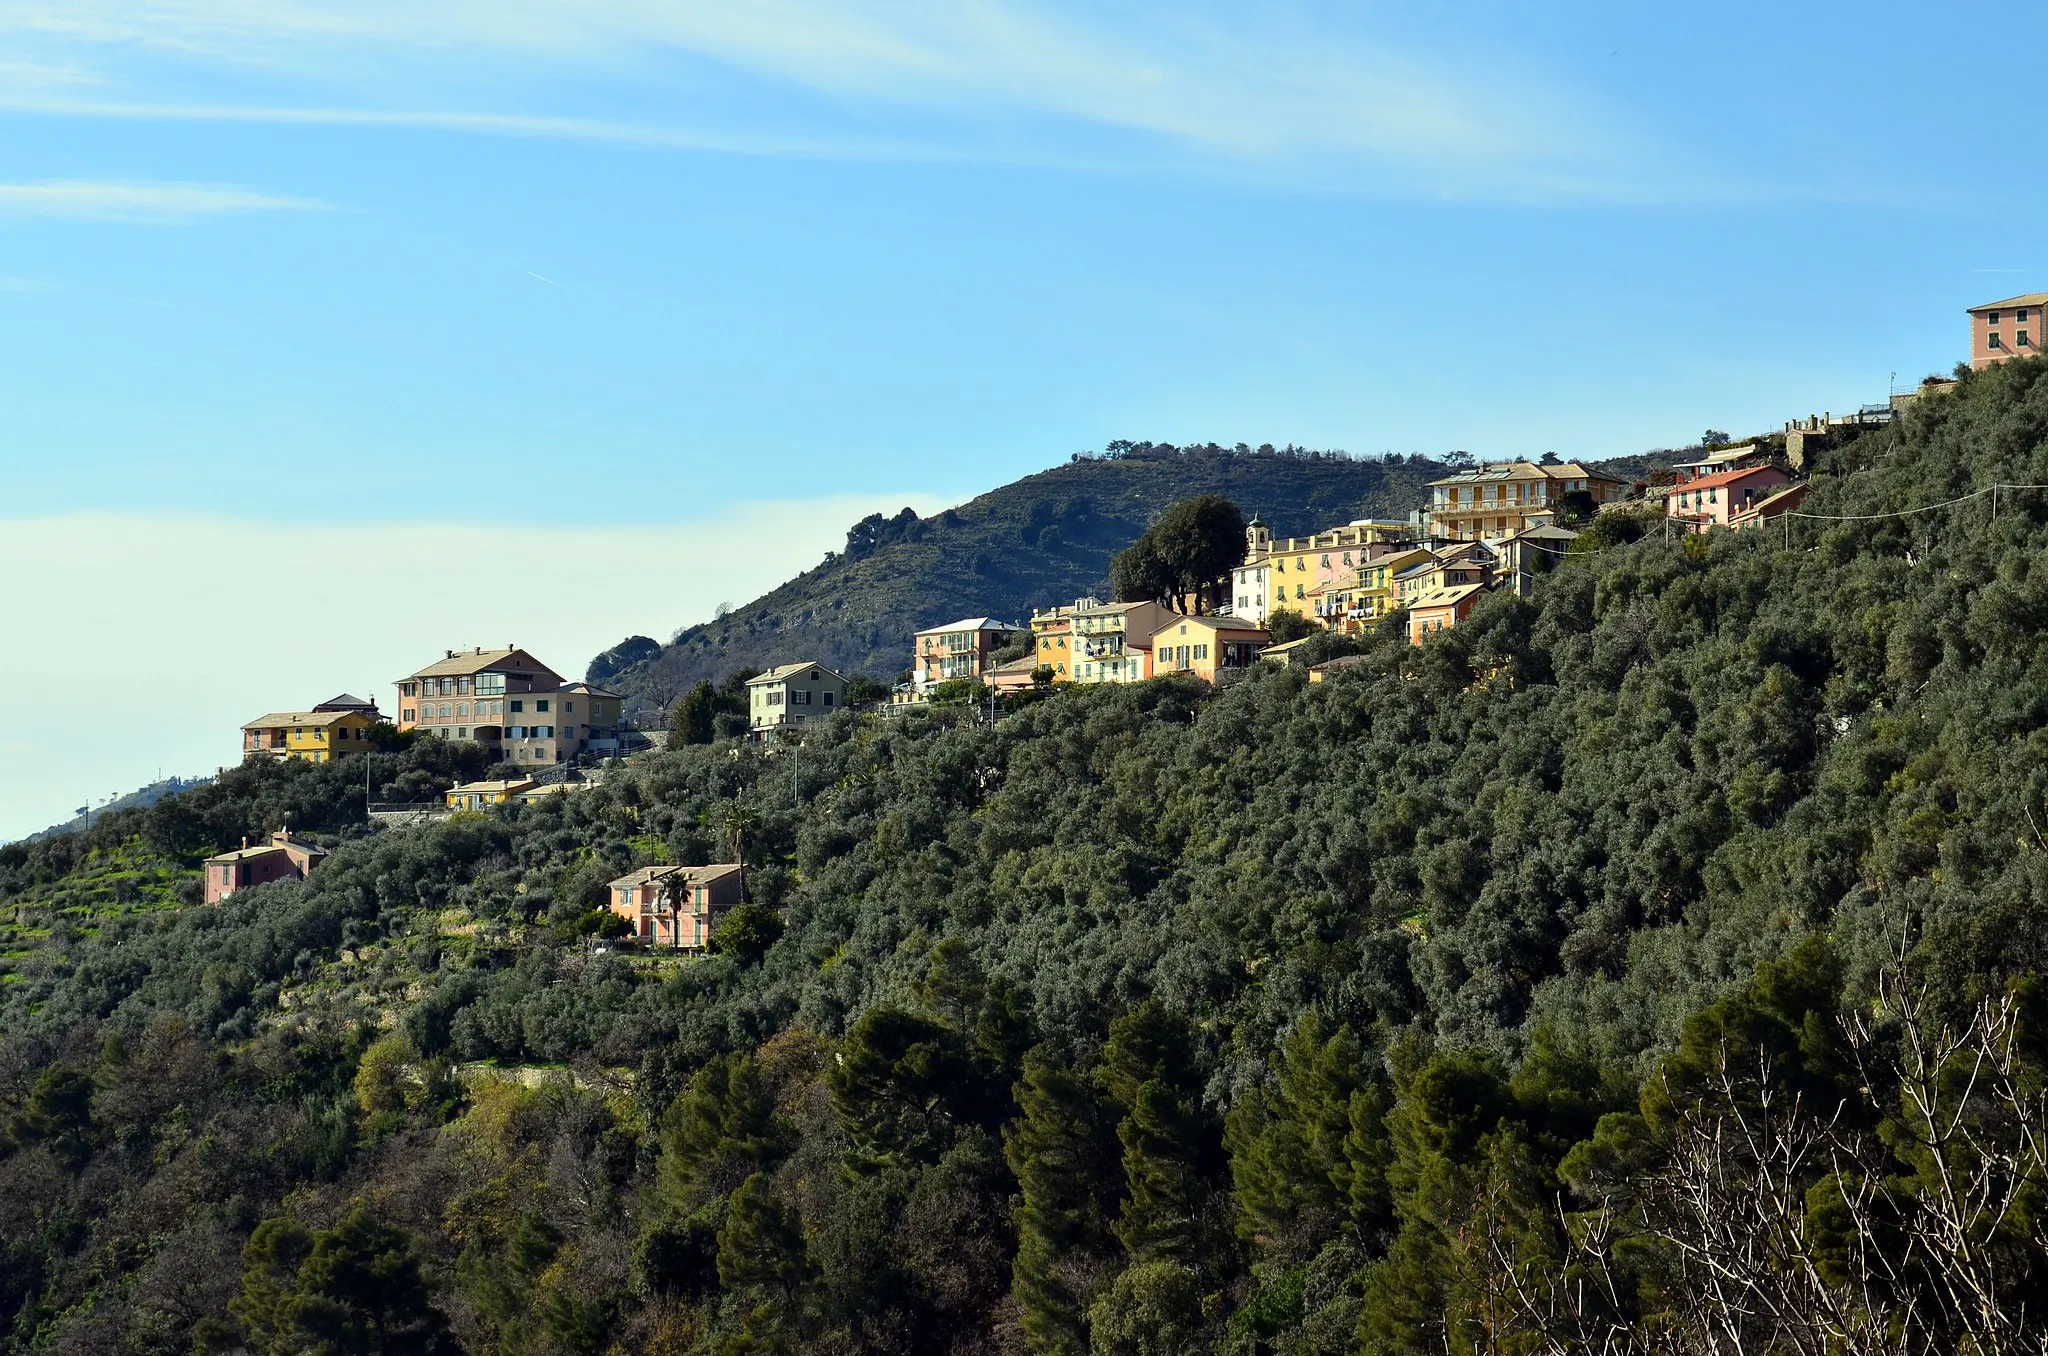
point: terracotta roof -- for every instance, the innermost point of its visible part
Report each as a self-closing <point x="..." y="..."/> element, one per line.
<point x="587" y="689"/>
<point x="482" y="661"/>
<point x="510" y="784"/>
<point x="244" y="854"/>
<point x="277" y="720"/>
<point x="693" y="875"/>
<point x="1718" y="479"/>
<point x="2030" y="299"/>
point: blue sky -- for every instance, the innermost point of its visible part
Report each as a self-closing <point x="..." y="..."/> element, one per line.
<point x="394" y="266"/>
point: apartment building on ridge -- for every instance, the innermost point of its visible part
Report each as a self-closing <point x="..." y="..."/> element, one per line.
<point x="2006" y="329"/>
<point x="1503" y="498"/>
<point x="512" y="703"/>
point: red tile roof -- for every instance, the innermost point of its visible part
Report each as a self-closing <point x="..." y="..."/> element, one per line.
<point x="1718" y="479"/>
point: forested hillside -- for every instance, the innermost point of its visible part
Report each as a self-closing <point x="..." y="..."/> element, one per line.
<point x="1600" y="976"/>
<point x="1045" y="539"/>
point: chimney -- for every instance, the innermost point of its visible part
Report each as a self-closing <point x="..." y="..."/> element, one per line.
<point x="245" y="842"/>
<point x="449" y="655"/>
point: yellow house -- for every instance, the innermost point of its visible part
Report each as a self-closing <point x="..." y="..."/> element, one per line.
<point x="315" y="736"/>
<point x="1286" y="569"/>
<point x="1377" y="595"/>
<point x="1206" y="646"/>
<point x="483" y="795"/>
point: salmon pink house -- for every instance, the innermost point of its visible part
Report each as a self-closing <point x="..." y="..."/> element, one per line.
<point x="1712" y="501"/>
<point x="676" y="906"/>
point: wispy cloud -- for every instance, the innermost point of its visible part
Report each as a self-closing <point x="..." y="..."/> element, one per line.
<point x="92" y="200"/>
<point x="1270" y="90"/>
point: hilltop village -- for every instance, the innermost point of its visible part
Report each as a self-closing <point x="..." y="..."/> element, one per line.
<point x="1487" y="527"/>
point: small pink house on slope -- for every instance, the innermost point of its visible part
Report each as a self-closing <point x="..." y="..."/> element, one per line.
<point x="1711" y="501"/>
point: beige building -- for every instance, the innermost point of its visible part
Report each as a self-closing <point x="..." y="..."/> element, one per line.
<point x="1503" y="498"/>
<point x="2006" y="329"/>
<point x="677" y="906"/>
<point x="792" y="696"/>
<point x="512" y="703"/>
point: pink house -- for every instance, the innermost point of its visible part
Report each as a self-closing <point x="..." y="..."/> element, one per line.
<point x="283" y="858"/>
<point x="676" y="906"/>
<point x="1711" y="501"/>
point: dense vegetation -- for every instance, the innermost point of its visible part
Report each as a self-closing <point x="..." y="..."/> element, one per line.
<point x="1042" y="540"/>
<point x="1601" y="975"/>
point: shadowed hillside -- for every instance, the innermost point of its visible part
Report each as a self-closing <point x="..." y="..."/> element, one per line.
<point x="1045" y="539"/>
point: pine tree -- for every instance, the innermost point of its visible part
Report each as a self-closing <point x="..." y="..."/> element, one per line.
<point x="900" y="1085"/>
<point x="761" y="1247"/>
<point x="1060" y="1149"/>
<point x="1148" y="1068"/>
<point x="717" y="1133"/>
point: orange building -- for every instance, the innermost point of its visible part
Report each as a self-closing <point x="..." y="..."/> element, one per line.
<point x="676" y="906"/>
<point x="959" y="650"/>
<point x="1441" y="609"/>
<point x="2006" y="329"/>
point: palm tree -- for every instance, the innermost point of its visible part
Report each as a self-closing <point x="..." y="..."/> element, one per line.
<point x="735" y="830"/>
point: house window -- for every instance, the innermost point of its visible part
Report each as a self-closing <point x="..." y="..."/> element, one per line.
<point x="2020" y="315"/>
<point x="405" y="715"/>
<point x="1991" y="319"/>
<point x="828" y="699"/>
<point x="2022" y="340"/>
<point x="1994" y="342"/>
<point x="518" y="706"/>
<point x="541" y="705"/>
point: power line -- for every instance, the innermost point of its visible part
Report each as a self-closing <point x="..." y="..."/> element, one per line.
<point x="1905" y="513"/>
